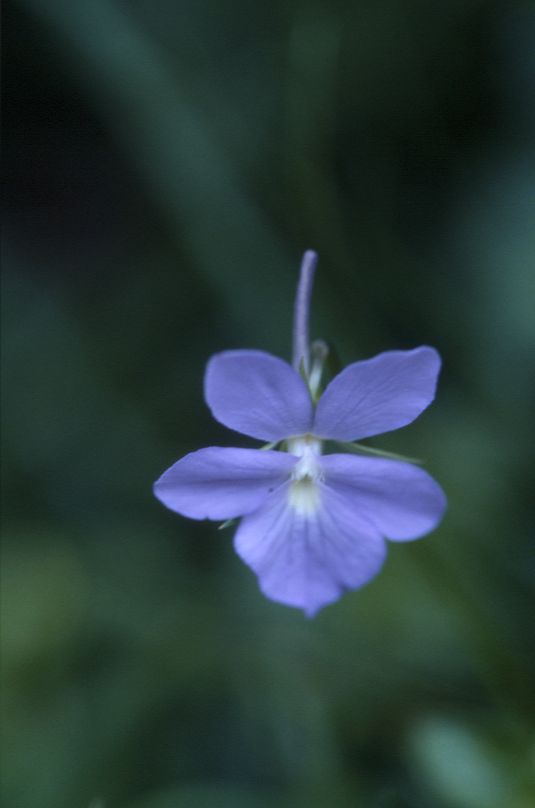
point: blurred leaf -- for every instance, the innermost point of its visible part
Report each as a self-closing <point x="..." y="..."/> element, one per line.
<point x="459" y="766"/>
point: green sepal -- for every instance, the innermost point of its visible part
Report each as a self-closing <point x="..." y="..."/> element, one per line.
<point x="228" y="523"/>
<point x="303" y="371"/>
<point x="267" y="446"/>
<point x="304" y="375"/>
<point x="359" y="448"/>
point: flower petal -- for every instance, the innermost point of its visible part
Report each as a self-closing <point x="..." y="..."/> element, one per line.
<point x="257" y="394"/>
<point x="218" y="483"/>
<point x="307" y="561"/>
<point x="377" y="395"/>
<point x="403" y="501"/>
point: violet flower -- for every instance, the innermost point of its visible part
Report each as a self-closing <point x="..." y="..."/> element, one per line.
<point x="312" y="524"/>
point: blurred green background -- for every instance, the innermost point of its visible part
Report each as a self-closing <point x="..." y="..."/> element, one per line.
<point x="167" y="163"/>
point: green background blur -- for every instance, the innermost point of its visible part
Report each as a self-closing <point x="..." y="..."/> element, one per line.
<point x="167" y="163"/>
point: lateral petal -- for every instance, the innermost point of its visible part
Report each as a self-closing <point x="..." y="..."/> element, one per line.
<point x="257" y="394"/>
<point x="220" y="483"/>
<point x="403" y="501"/>
<point x="378" y="395"/>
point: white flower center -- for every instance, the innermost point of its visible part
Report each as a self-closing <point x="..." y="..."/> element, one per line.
<point x="304" y="493"/>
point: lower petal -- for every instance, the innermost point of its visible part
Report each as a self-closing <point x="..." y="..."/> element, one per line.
<point x="220" y="483"/>
<point x="306" y="559"/>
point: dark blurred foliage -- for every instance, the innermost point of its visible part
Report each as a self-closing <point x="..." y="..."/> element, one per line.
<point x="166" y="165"/>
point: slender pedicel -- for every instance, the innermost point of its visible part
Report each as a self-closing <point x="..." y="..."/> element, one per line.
<point x="301" y="311"/>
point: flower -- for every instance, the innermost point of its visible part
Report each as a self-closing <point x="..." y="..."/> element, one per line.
<point x="312" y="524"/>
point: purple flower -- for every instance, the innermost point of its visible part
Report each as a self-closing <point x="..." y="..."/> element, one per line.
<point x="313" y="524"/>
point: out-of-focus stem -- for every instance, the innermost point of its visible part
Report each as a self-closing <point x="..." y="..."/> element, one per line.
<point x="301" y="311"/>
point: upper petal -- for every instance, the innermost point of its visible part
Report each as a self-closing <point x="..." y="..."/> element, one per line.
<point x="403" y="501"/>
<point x="307" y="561"/>
<point x="218" y="483"/>
<point x="378" y="395"/>
<point x="257" y="394"/>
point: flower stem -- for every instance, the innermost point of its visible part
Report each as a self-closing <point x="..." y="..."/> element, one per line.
<point x="301" y="311"/>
